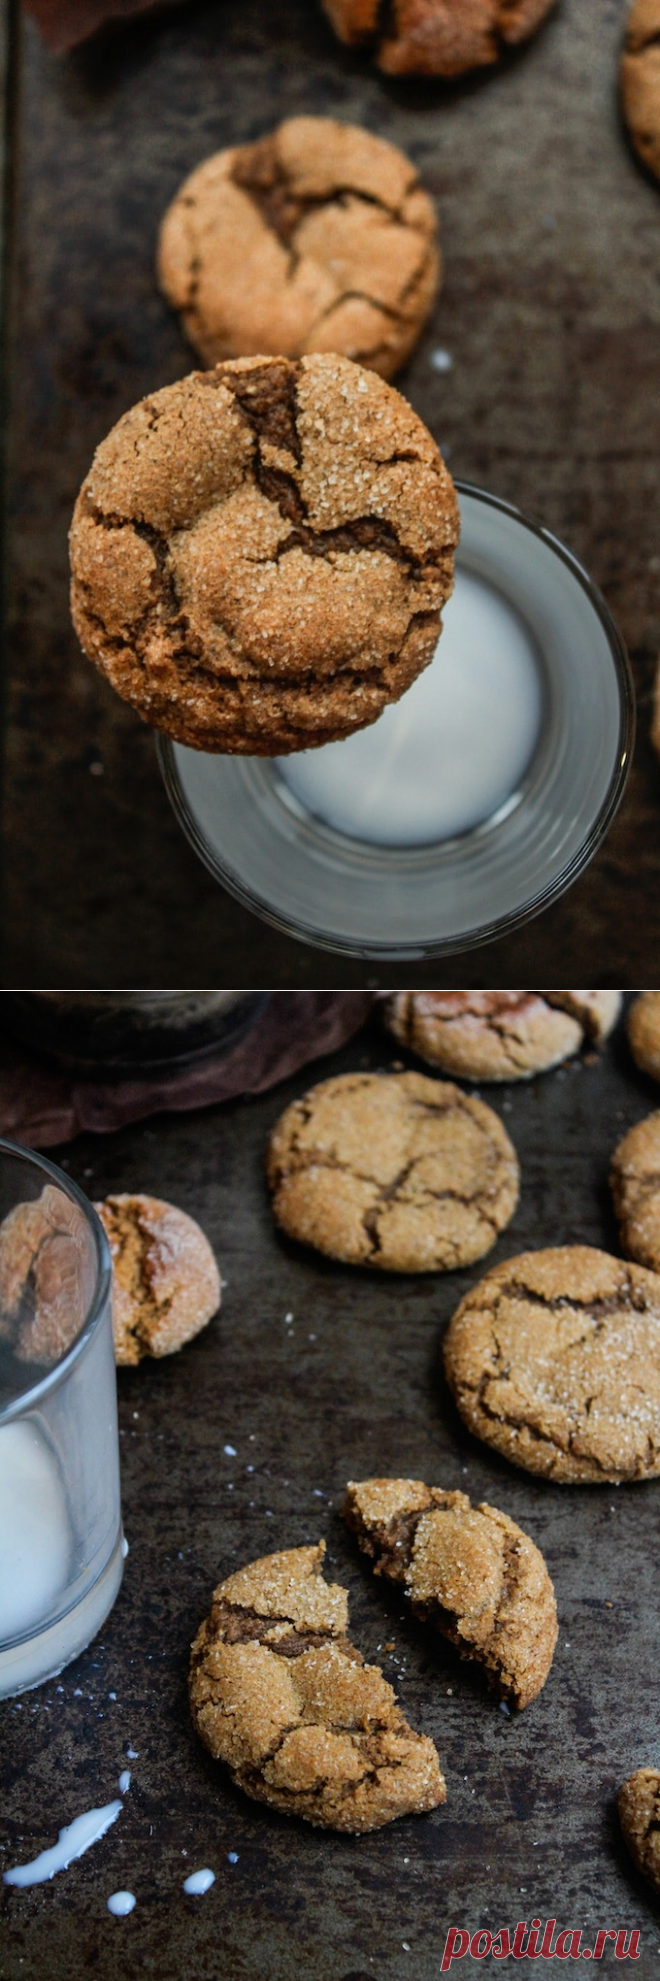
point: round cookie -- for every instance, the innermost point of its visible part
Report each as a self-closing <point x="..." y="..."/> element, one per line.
<point x="46" y="1276"/>
<point x="635" y="1184"/>
<point x="640" y="81"/>
<point x="279" y="1694"/>
<point x="436" y="37"/>
<point x="643" y="1027"/>
<point x="500" y="1035"/>
<point x="468" y="1571"/>
<point x="554" y="1359"/>
<point x="639" y="1816"/>
<point x="318" y="237"/>
<point x="260" y="554"/>
<point x="165" y="1281"/>
<point x="393" y="1170"/>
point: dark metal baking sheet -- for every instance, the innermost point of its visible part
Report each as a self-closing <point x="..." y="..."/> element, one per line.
<point x="350" y="1385"/>
<point x="550" y="310"/>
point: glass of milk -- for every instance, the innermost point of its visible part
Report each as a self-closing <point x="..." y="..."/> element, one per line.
<point x="473" y="802"/>
<point x="61" y="1544"/>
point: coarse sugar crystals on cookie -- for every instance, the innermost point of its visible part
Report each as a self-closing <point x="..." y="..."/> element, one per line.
<point x="279" y="1694"/>
<point x="165" y="1281"/>
<point x="393" y="1170"/>
<point x="260" y="554"/>
<point x="554" y="1359"/>
<point x="500" y="1035"/>
<point x="317" y="237"/>
<point x="436" y="37"/>
<point x="468" y="1571"/>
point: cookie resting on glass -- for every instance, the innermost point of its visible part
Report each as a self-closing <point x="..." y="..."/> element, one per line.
<point x="318" y="237"/>
<point x="436" y="37"/>
<point x="260" y="554"/>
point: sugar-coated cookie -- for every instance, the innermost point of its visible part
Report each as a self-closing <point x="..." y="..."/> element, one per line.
<point x="635" y="1183"/>
<point x="393" y="1170"/>
<point x="279" y="1694"/>
<point x="318" y="237"/>
<point x="640" y="81"/>
<point x="47" y="1276"/>
<point x="500" y="1035"/>
<point x="469" y="1571"/>
<point x="436" y="37"/>
<point x="639" y="1815"/>
<point x="165" y="1281"/>
<point x="643" y="1027"/>
<point x="554" y="1359"/>
<point x="260" y="554"/>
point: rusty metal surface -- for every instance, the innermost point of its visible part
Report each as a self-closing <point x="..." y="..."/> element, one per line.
<point x="349" y="1384"/>
<point x="550" y="310"/>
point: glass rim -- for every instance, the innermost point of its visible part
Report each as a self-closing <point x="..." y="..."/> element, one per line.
<point x="102" y="1289"/>
<point x="516" y="918"/>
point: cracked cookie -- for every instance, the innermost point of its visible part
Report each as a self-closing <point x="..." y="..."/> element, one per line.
<point x="640" y="81"/>
<point x="47" y="1276"/>
<point x="260" y="554"/>
<point x="318" y="237"/>
<point x="643" y="1028"/>
<point x="635" y="1185"/>
<point x="469" y="1571"/>
<point x="554" y="1359"/>
<point x="279" y="1694"/>
<point x="639" y="1815"/>
<point x="435" y="37"/>
<point x="393" y="1170"/>
<point x="500" y="1035"/>
<point x="165" y="1281"/>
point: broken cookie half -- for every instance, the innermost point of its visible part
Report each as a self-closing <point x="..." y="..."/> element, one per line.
<point x="469" y="1571"/>
<point x="279" y="1694"/>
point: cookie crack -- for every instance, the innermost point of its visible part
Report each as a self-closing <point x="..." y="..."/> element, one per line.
<point x="597" y="1310"/>
<point x="258" y="172"/>
<point x="267" y="399"/>
<point x="543" y="1438"/>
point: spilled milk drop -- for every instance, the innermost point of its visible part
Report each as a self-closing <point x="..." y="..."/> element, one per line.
<point x="120" y="1903"/>
<point x="199" y="1881"/>
<point x="72" y="1841"/>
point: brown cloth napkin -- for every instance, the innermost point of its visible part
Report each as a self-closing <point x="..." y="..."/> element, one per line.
<point x="64" y="22"/>
<point x="42" y="1105"/>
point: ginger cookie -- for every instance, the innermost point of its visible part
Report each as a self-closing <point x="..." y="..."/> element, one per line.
<point x="47" y="1276"/>
<point x="318" y="237"/>
<point x="639" y="1816"/>
<point x="554" y="1359"/>
<point x="260" y="554"/>
<point x="500" y="1035"/>
<point x="469" y="1571"/>
<point x="393" y="1170"/>
<point x="643" y="1028"/>
<point x="635" y="1184"/>
<point x="279" y="1694"/>
<point x="436" y="37"/>
<point x="640" y="81"/>
<point x="165" y="1281"/>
